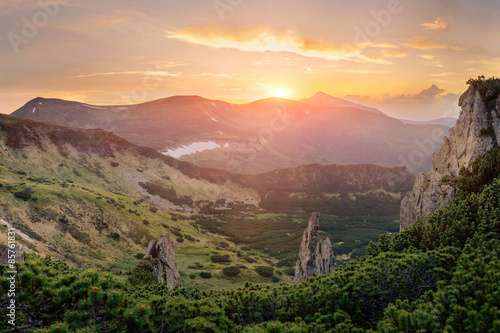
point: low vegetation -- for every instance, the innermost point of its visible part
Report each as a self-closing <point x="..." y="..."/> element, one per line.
<point x="440" y="275"/>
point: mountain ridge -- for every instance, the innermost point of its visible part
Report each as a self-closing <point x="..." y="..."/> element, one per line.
<point x="248" y="138"/>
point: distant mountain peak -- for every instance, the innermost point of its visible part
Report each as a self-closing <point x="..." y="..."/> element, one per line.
<point x="322" y="94"/>
<point x="323" y="99"/>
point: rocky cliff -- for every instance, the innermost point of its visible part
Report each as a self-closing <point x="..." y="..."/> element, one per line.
<point x="475" y="132"/>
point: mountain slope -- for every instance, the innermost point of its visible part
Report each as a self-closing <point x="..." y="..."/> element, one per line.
<point x="251" y="138"/>
<point x="325" y="100"/>
<point x="90" y="197"/>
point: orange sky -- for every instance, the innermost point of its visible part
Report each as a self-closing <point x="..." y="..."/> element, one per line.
<point x="408" y="58"/>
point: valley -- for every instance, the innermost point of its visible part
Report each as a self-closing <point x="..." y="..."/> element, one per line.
<point x="92" y="199"/>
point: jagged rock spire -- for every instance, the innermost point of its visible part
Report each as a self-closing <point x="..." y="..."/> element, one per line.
<point x="325" y="260"/>
<point x="166" y="268"/>
<point x="314" y="258"/>
<point x="476" y="131"/>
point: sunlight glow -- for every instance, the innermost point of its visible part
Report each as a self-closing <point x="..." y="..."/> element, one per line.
<point x="282" y="93"/>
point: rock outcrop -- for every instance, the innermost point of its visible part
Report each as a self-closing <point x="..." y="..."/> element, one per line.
<point x="475" y="132"/>
<point x="325" y="260"/>
<point x="4" y="254"/>
<point x="314" y="258"/>
<point x="166" y="268"/>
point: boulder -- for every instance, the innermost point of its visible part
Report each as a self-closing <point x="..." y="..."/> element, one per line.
<point x="4" y="254"/>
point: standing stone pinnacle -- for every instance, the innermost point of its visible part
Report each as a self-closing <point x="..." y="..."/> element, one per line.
<point x="314" y="258"/>
<point x="164" y="251"/>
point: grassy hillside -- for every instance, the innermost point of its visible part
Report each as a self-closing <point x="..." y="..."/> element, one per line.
<point x="441" y="275"/>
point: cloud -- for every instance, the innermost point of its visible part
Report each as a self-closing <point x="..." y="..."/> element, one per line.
<point x="8" y="7"/>
<point x="218" y="75"/>
<point x="426" y="56"/>
<point x="441" y="74"/>
<point x="151" y="73"/>
<point x="425" y="43"/>
<point x="430" y="103"/>
<point x="430" y="92"/>
<point x="264" y="40"/>
<point x="394" y="54"/>
<point x="426" y="95"/>
<point x="438" y="24"/>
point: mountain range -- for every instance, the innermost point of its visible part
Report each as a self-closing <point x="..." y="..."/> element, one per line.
<point x="256" y="137"/>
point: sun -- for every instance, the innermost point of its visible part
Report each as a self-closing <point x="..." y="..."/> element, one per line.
<point x="281" y="92"/>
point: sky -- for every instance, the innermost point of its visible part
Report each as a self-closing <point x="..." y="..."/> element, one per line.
<point x="410" y="59"/>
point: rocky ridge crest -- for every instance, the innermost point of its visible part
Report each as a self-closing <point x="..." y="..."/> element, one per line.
<point x="475" y="133"/>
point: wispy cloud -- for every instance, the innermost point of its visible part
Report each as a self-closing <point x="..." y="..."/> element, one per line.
<point x="426" y="56"/>
<point x="388" y="53"/>
<point x="218" y="75"/>
<point x="262" y="40"/>
<point x="425" y="43"/>
<point x="438" y="24"/>
<point x="424" y="96"/>
<point x="441" y="74"/>
<point x="152" y="73"/>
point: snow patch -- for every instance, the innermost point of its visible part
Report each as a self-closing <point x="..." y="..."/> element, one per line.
<point x="34" y="109"/>
<point x="28" y="238"/>
<point x="195" y="147"/>
<point x="211" y="117"/>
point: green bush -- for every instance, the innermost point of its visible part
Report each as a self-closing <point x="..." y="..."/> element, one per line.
<point x="264" y="271"/>
<point x="489" y="88"/>
<point x="205" y="275"/>
<point x="114" y="235"/>
<point x="231" y="271"/>
<point x="24" y="194"/>
<point x="219" y="258"/>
